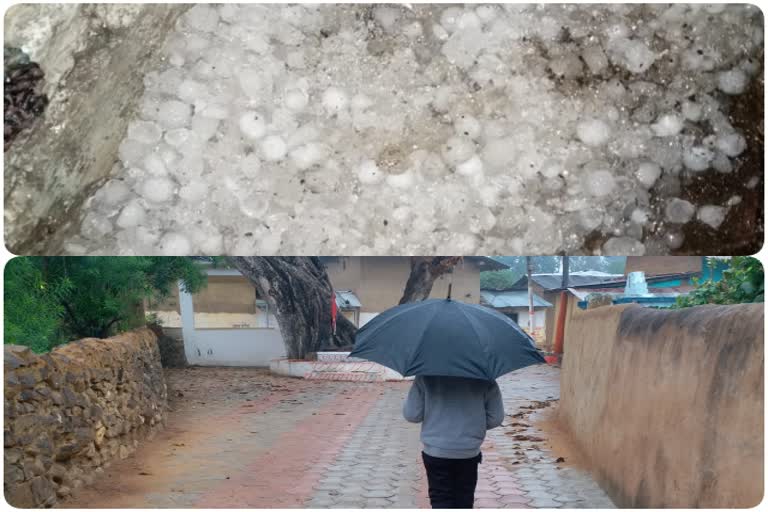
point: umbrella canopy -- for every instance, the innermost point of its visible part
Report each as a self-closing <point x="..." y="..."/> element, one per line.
<point x="443" y="337"/>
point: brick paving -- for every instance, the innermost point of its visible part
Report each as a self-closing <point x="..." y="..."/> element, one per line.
<point x="241" y="438"/>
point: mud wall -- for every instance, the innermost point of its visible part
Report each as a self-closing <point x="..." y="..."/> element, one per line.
<point x="94" y="57"/>
<point x="668" y="404"/>
<point x="70" y="412"/>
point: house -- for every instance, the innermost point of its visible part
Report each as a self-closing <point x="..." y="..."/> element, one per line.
<point x="514" y="304"/>
<point x="228" y="324"/>
<point x="550" y="288"/>
<point x="667" y="277"/>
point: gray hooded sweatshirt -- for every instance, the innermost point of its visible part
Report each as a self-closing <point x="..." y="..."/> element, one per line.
<point x="455" y="413"/>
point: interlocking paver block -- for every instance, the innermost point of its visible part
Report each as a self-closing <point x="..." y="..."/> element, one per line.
<point x="545" y="503"/>
<point x="291" y="449"/>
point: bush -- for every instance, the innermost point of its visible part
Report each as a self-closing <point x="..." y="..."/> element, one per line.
<point x="50" y="300"/>
<point x="743" y="281"/>
<point x="33" y="311"/>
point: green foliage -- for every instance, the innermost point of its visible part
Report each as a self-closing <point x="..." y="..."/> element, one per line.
<point x="742" y="282"/>
<point x="87" y="296"/>
<point x="32" y="308"/>
<point x="498" y="279"/>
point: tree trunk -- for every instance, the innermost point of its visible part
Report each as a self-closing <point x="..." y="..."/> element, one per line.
<point x="424" y="271"/>
<point x="299" y="292"/>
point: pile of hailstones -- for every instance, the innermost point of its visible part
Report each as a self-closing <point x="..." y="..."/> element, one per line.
<point x="492" y="129"/>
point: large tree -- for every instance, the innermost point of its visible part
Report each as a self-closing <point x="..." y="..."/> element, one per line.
<point x="299" y="291"/>
<point x="424" y="271"/>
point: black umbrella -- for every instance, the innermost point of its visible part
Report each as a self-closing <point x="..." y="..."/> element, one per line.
<point x="444" y="337"/>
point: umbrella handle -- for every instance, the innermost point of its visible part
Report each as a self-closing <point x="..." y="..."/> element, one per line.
<point x="450" y="285"/>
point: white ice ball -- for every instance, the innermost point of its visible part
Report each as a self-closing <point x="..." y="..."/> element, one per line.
<point x="369" y="173"/>
<point x="251" y="82"/>
<point x="667" y="125"/>
<point x="600" y="183"/>
<point x="191" y="90"/>
<point x="114" y="192"/>
<point x="732" y="144"/>
<point x="177" y="137"/>
<point x="692" y="111"/>
<point x="499" y="152"/>
<point x="296" y="99"/>
<point x="252" y="125"/>
<point x="593" y="132"/>
<point x="273" y="148"/>
<point x="679" y="211"/>
<point x="334" y="100"/>
<point x="202" y="17"/>
<point x="472" y="167"/>
<point x="175" y="244"/>
<point x="255" y="204"/>
<point x="639" y="216"/>
<point x="204" y="127"/>
<point x="458" y="149"/>
<point x="157" y="190"/>
<point x="403" y="180"/>
<point x="467" y="126"/>
<point x="193" y="191"/>
<point x="155" y="165"/>
<point x="697" y="158"/>
<point x="270" y="243"/>
<point x="624" y="246"/>
<point x="308" y="155"/>
<point x="647" y="173"/>
<point x="712" y="215"/>
<point x="734" y="81"/>
<point x="132" y="215"/>
<point x="174" y="114"/>
<point x="145" y="132"/>
<point x="674" y="239"/>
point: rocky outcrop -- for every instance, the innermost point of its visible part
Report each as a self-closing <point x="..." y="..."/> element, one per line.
<point x="71" y="411"/>
<point x="94" y="57"/>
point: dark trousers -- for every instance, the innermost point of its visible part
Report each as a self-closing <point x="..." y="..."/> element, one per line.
<point x="452" y="482"/>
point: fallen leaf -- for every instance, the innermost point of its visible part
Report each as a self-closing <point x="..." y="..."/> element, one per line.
<point x="533" y="439"/>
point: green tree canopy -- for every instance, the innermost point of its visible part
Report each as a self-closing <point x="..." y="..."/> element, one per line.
<point x="743" y="281"/>
<point x="50" y="300"/>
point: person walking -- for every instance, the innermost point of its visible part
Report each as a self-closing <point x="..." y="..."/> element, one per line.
<point x="455" y="413"/>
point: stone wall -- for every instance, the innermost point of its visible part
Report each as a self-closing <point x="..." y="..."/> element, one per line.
<point x="170" y="341"/>
<point x="71" y="411"/>
<point x="668" y="404"/>
<point x="94" y="57"/>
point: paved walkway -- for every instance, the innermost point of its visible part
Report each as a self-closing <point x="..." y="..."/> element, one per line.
<point x="241" y="438"/>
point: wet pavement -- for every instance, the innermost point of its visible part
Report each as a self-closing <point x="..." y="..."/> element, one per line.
<point x="238" y="438"/>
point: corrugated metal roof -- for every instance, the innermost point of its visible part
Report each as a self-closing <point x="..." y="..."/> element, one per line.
<point x="485" y="263"/>
<point x="675" y="291"/>
<point x="511" y="299"/>
<point x="346" y="299"/>
<point x="576" y="279"/>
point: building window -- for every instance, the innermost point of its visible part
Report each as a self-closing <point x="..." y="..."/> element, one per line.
<point x="230" y="302"/>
